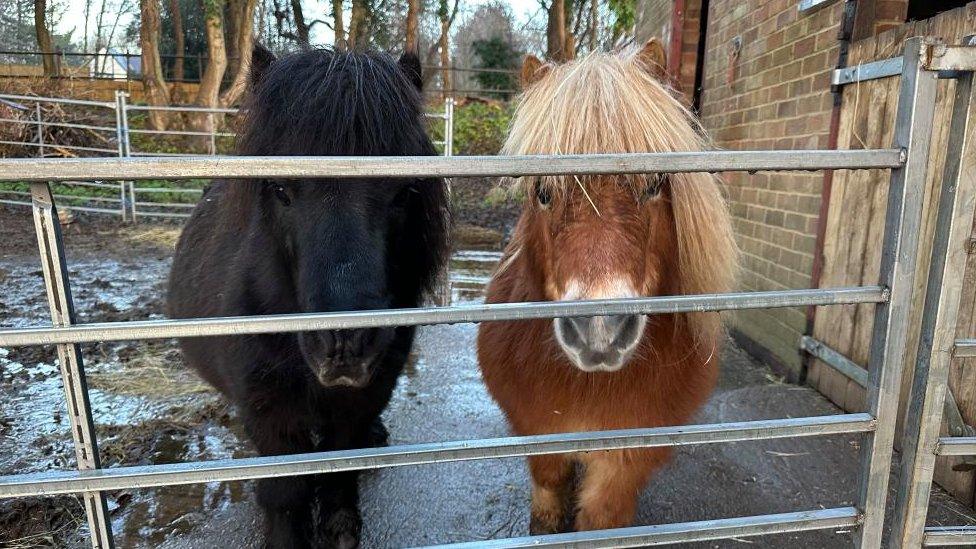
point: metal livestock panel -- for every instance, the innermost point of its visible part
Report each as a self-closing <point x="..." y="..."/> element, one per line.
<point x="907" y="161"/>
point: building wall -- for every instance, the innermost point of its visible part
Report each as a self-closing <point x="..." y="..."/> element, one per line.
<point x="767" y="86"/>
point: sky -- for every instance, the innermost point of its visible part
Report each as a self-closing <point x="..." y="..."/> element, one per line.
<point x="74" y="17"/>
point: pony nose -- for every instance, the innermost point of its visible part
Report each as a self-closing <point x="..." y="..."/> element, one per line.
<point x="600" y="343"/>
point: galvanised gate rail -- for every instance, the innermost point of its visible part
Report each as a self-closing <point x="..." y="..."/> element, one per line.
<point x="906" y="159"/>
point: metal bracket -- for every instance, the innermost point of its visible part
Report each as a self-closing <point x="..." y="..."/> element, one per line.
<point x="952" y="58"/>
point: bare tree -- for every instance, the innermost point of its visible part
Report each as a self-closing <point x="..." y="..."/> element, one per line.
<point x="44" y="41"/>
<point x="442" y="13"/>
<point x="337" y="25"/>
<point x="413" y="17"/>
<point x="179" y="44"/>
<point x="208" y="93"/>
<point x="243" y="40"/>
<point x="152" y="68"/>
<point x="556" y="31"/>
<point x="358" y="24"/>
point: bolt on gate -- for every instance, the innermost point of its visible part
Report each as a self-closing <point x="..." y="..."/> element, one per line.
<point x="131" y="201"/>
<point x="907" y="159"/>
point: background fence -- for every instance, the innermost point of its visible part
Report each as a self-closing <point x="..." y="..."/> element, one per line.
<point x="121" y="129"/>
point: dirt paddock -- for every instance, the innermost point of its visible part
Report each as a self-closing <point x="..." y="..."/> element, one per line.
<point x="150" y="410"/>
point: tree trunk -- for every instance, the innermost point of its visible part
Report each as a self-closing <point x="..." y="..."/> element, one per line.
<point x="556" y="31"/>
<point x="179" y="41"/>
<point x="445" y="53"/>
<point x="594" y="9"/>
<point x="244" y="46"/>
<point x="301" y="29"/>
<point x="208" y="93"/>
<point x="413" y="14"/>
<point x="340" y="31"/>
<point x="569" y="38"/>
<point x="357" y="25"/>
<point x="44" y="41"/>
<point x="157" y="94"/>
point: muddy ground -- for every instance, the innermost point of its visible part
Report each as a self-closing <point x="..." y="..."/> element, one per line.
<point x="149" y="410"/>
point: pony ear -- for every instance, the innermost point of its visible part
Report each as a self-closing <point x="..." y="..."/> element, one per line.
<point x="410" y="65"/>
<point x="652" y="58"/>
<point x="261" y="59"/>
<point x="533" y="70"/>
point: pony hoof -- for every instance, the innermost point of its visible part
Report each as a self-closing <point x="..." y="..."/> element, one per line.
<point x="540" y="526"/>
<point x="341" y="530"/>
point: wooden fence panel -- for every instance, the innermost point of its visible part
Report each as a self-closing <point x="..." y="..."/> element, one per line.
<point x="856" y="219"/>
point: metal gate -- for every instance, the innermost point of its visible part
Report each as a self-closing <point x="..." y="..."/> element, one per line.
<point x="907" y="159"/>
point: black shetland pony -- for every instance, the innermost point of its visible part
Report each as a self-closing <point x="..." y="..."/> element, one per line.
<point x="288" y="246"/>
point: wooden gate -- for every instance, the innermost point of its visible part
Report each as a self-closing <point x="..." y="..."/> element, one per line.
<point x="855" y="223"/>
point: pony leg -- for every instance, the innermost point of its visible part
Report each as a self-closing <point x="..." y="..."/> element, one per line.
<point x="551" y="475"/>
<point x="286" y="501"/>
<point x="612" y="484"/>
<point x="340" y="524"/>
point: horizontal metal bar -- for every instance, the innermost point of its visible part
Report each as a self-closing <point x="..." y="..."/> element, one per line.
<point x="868" y="71"/>
<point x="28" y="122"/>
<point x="15" y="202"/>
<point x="173" y="155"/>
<point x="166" y="205"/>
<point x="180" y="109"/>
<point x="181" y="132"/>
<point x="683" y="532"/>
<point x="165" y="190"/>
<point x="114" y="186"/>
<point x="68" y="196"/>
<point x="53" y="146"/>
<point x="143" y="213"/>
<point x="259" y="167"/>
<point x="106" y="104"/>
<point x="956" y="446"/>
<point x="940" y="536"/>
<point x="121" y="478"/>
<point x="835" y="360"/>
<point x="952" y="58"/>
<point x="165" y="329"/>
<point x="964" y="348"/>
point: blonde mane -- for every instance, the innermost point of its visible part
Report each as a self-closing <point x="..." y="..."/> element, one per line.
<point x="613" y="103"/>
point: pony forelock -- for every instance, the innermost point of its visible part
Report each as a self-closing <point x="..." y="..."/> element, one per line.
<point x="612" y="103"/>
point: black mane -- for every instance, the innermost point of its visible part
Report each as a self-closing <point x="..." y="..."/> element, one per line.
<point x="341" y="104"/>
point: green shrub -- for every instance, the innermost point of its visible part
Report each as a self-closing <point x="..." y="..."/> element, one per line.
<point x="479" y="128"/>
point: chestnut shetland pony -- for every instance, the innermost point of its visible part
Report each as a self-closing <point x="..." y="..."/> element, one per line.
<point x="599" y="238"/>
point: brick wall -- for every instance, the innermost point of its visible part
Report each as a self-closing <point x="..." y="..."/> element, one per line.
<point x="771" y="91"/>
<point x="654" y="20"/>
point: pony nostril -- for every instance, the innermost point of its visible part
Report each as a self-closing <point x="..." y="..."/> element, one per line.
<point x="628" y="330"/>
<point x="569" y="332"/>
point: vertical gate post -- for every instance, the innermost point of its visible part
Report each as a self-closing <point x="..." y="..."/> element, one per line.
<point x="123" y="108"/>
<point x="942" y="295"/>
<point x="449" y="127"/>
<point x="69" y="356"/>
<point x="913" y="133"/>
<point x="40" y="130"/>
<point x="120" y="139"/>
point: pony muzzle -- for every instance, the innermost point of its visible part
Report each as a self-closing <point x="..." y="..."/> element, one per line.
<point x="344" y="358"/>
<point x="600" y="343"/>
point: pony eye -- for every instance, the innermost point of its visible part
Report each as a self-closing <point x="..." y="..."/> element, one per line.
<point x="653" y="188"/>
<point x="281" y="195"/>
<point x="543" y="194"/>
